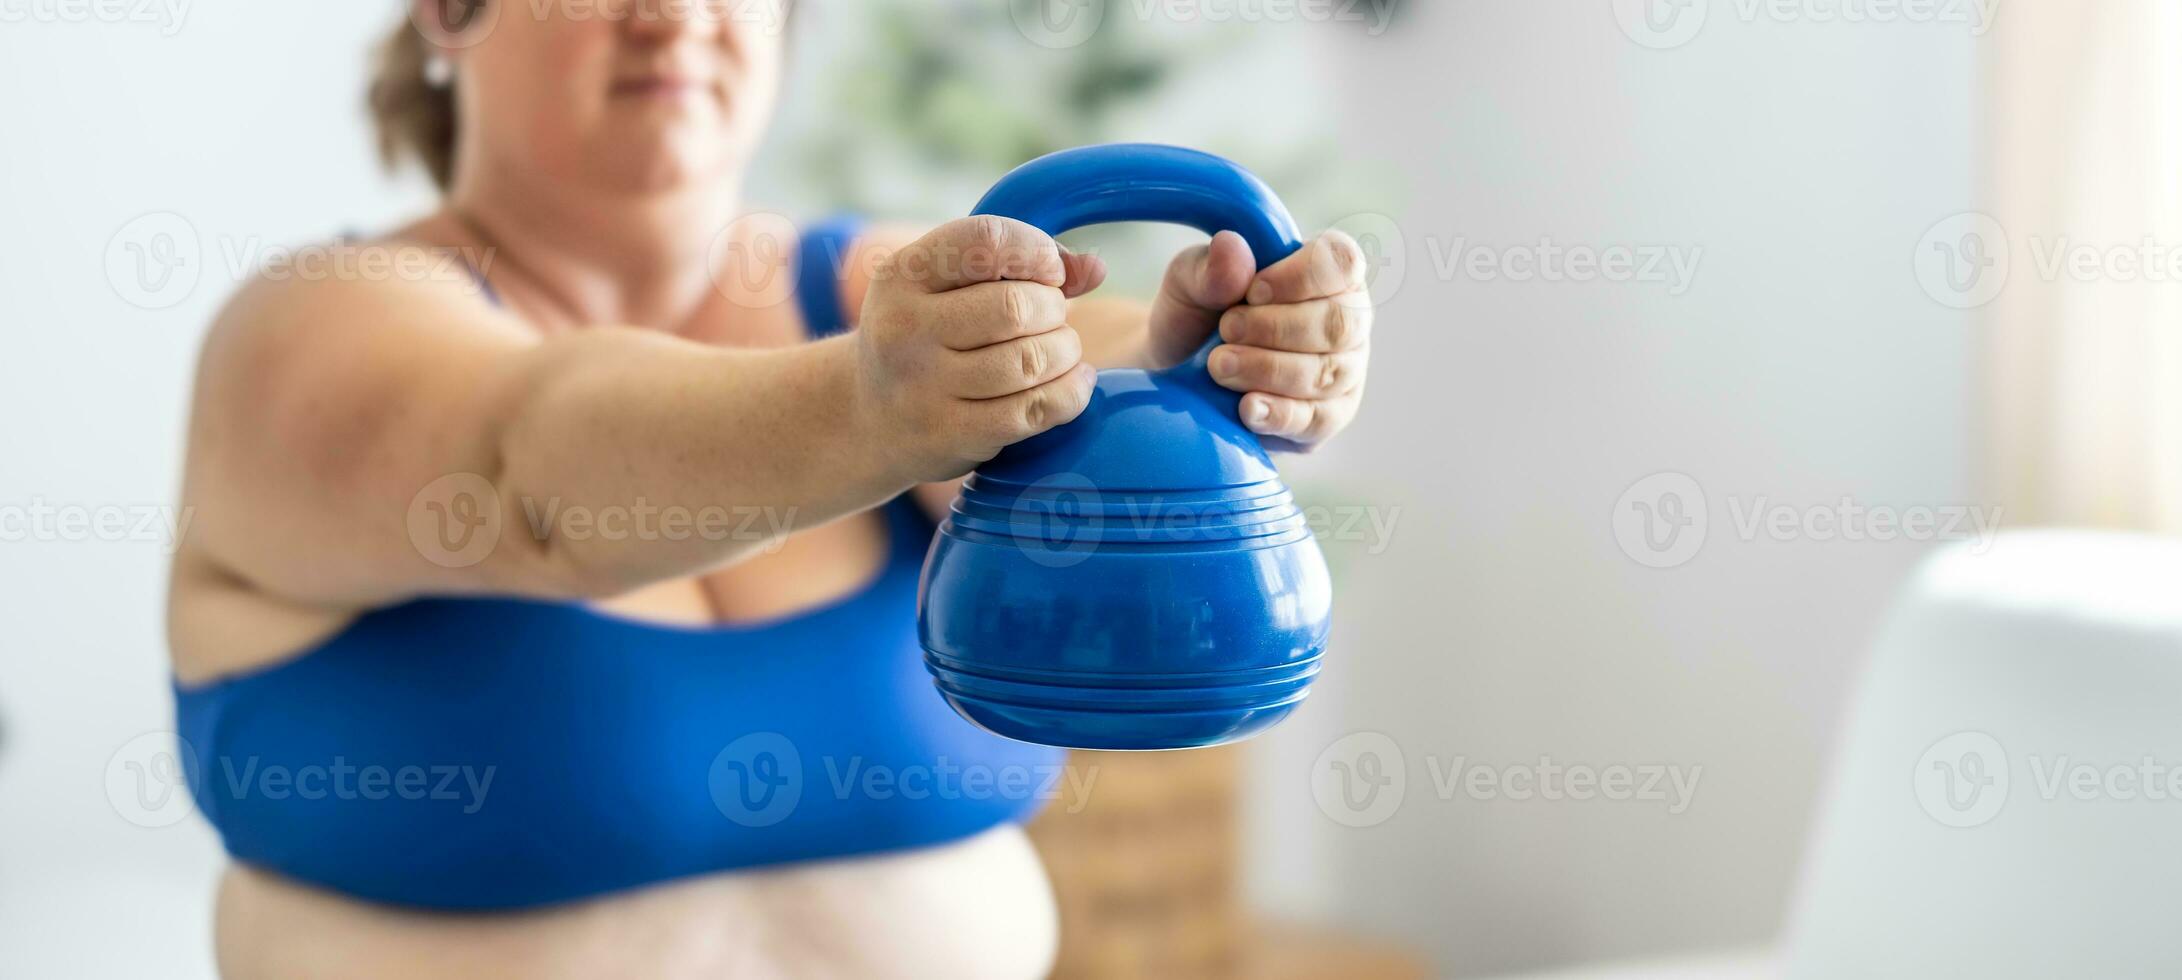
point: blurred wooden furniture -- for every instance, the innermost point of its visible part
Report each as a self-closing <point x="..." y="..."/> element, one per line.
<point x="1286" y="952"/>
<point x="1146" y="874"/>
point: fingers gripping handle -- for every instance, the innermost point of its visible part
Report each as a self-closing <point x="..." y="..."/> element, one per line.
<point x="1094" y="185"/>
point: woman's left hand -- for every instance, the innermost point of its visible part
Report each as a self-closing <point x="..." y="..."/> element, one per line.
<point x="1295" y="338"/>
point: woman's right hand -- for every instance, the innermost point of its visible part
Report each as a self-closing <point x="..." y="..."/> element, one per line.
<point x="964" y="346"/>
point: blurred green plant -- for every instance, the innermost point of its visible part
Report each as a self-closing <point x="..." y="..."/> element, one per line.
<point x="928" y="103"/>
<point x="955" y="87"/>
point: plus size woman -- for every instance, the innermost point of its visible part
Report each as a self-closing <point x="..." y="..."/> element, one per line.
<point x="597" y="714"/>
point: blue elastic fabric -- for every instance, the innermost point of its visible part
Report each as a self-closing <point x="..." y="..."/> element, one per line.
<point x="821" y="265"/>
<point x="494" y="753"/>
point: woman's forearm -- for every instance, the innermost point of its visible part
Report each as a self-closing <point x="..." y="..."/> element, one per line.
<point x="626" y="457"/>
<point x="437" y="447"/>
<point x="390" y="423"/>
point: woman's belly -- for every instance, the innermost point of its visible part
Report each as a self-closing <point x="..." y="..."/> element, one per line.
<point x="974" y="908"/>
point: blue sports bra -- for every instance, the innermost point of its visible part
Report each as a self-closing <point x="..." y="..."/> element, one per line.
<point x="494" y="753"/>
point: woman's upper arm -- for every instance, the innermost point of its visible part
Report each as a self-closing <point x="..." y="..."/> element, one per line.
<point x="322" y="407"/>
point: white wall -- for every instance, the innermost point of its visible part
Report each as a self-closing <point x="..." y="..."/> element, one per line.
<point x="238" y="122"/>
<point x="1503" y="622"/>
<point x="1499" y="622"/>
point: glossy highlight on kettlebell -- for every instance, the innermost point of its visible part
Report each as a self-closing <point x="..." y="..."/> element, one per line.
<point x="1139" y="578"/>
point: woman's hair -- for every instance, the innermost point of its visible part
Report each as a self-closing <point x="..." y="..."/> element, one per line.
<point x="414" y="118"/>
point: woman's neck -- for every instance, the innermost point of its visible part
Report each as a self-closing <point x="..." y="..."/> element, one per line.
<point x="600" y="259"/>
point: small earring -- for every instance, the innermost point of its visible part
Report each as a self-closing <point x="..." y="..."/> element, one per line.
<point x="439" y="70"/>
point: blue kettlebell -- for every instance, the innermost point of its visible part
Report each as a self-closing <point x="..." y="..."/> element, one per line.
<point x="1139" y="578"/>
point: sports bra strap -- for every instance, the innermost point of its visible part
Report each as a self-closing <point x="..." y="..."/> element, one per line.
<point x="821" y="266"/>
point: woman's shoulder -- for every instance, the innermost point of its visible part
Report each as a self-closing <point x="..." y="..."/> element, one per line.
<point x="319" y="362"/>
<point x="430" y="257"/>
<point x="319" y="294"/>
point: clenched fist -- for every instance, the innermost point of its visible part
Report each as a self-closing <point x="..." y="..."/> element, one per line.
<point x="963" y="346"/>
<point x="1295" y="337"/>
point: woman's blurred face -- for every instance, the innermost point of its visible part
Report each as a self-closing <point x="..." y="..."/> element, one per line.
<point x="635" y="96"/>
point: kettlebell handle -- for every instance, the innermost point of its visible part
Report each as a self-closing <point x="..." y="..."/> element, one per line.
<point x="1094" y="185"/>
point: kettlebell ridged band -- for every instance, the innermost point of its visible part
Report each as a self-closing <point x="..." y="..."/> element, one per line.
<point x="1301" y="669"/>
<point x="1254" y="690"/>
<point x="1074" y="513"/>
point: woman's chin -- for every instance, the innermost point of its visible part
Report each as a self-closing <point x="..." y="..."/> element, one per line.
<point x="661" y="144"/>
<point x="663" y="167"/>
